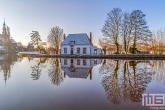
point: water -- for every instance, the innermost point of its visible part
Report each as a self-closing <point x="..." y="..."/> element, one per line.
<point x="77" y="84"/>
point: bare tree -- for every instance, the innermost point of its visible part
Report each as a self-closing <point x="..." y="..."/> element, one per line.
<point x="36" y="39"/>
<point x="127" y="28"/>
<point x="20" y="46"/>
<point x="111" y="28"/>
<point x="158" y="39"/>
<point x="102" y="42"/>
<point x="55" y="38"/>
<point x="141" y="31"/>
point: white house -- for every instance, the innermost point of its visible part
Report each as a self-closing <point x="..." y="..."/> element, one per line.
<point x="78" y="68"/>
<point x="79" y="44"/>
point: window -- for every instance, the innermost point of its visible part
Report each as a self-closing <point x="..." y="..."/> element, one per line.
<point x="84" y="62"/>
<point x="71" y="43"/>
<point x="84" y="50"/>
<point x="65" y="50"/>
<point x="95" y="51"/>
<point x="71" y="61"/>
<point x="78" y="50"/>
<point x="95" y="61"/>
<point x="78" y="61"/>
<point x="65" y="61"/>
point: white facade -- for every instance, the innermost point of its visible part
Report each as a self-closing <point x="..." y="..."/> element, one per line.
<point x="90" y="50"/>
<point x="78" y="44"/>
<point x="78" y="68"/>
<point x="79" y="63"/>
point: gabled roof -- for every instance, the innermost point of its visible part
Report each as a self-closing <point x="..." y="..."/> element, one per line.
<point x="78" y="73"/>
<point x="13" y="41"/>
<point x="79" y="39"/>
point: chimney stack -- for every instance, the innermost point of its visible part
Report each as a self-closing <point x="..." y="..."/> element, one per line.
<point x="90" y="37"/>
<point x="90" y="72"/>
<point x="64" y="36"/>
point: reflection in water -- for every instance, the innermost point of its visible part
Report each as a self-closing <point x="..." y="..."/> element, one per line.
<point x="19" y="59"/>
<point x="126" y="80"/>
<point x="36" y="69"/>
<point x="159" y="66"/>
<point x="122" y="81"/>
<point x="79" y="68"/>
<point x="55" y="73"/>
<point x="6" y="62"/>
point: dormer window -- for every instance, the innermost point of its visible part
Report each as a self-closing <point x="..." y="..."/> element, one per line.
<point x="72" y="43"/>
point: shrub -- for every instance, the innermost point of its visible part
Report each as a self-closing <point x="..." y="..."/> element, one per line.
<point x="133" y="50"/>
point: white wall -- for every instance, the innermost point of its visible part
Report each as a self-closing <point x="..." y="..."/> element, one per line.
<point x="89" y="49"/>
<point x="99" y="51"/>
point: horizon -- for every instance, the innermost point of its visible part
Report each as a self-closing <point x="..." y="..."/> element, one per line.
<point x="24" y="16"/>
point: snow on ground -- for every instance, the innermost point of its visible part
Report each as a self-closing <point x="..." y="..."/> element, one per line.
<point x="29" y="52"/>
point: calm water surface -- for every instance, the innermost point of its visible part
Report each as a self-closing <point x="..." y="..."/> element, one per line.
<point x="77" y="84"/>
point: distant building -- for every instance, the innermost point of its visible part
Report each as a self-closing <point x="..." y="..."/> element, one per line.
<point x="79" y="44"/>
<point x="19" y="46"/>
<point x="6" y="42"/>
<point x="78" y="68"/>
<point x="14" y="45"/>
<point x="30" y="47"/>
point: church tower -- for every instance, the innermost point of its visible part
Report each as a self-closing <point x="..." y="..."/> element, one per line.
<point x="4" y="32"/>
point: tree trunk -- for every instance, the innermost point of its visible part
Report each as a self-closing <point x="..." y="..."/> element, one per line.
<point x="117" y="47"/>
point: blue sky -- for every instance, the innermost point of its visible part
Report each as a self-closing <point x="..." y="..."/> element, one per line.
<point x="73" y="16"/>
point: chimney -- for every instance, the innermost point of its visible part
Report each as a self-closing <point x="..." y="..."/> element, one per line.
<point x="64" y="36"/>
<point x="64" y="75"/>
<point x="90" y="37"/>
<point x="90" y="72"/>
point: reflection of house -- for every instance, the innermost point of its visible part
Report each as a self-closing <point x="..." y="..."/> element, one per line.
<point x="79" y="68"/>
<point x="79" y="44"/>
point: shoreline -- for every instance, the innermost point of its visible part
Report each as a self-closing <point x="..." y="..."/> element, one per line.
<point x="113" y="56"/>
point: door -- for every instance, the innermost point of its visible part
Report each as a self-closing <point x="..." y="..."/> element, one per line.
<point x="71" y="51"/>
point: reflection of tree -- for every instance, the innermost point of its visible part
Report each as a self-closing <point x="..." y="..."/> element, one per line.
<point x="111" y="85"/>
<point x="19" y="59"/>
<point x="36" y="70"/>
<point x="55" y="72"/>
<point x="127" y="81"/>
<point x="159" y="66"/>
<point x="107" y="66"/>
<point x="6" y="62"/>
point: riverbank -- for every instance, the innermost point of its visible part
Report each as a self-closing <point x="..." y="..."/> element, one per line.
<point x="113" y="56"/>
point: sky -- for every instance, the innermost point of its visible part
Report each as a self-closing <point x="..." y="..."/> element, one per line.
<point x="73" y="16"/>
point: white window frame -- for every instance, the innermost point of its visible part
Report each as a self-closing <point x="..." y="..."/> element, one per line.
<point x="84" y="62"/>
<point x="85" y="51"/>
<point x="65" y="50"/>
<point x="78" y="61"/>
<point x="95" y="51"/>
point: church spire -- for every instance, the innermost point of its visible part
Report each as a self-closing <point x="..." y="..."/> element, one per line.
<point x="4" y="20"/>
<point x="4" y="24"/>
<point x="4" y="28"/>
